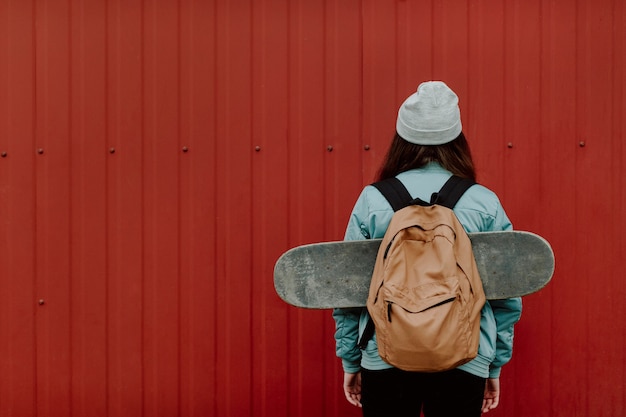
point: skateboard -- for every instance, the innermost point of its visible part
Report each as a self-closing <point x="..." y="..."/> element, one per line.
<point x="337" y="274"/>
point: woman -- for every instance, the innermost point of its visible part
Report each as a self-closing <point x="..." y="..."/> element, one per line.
<point x="428" y="148"/>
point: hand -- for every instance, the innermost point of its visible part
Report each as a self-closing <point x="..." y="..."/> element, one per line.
<point x="491" y="398"/>
<point x="352" y="388"/>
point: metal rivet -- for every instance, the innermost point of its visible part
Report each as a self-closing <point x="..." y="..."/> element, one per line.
<point x="366" y="147"/>
<point x="185" y="149"/>
<point x="42" y="302"/>
<point x="581" y="144"/>
<point x="329" y="148"/>
<point x="510" y="144"/>
<point x="111" y="150"/>
<point x="3" y="154"/>
<point x="40" y="151"/>
<point x="257" y="148"/>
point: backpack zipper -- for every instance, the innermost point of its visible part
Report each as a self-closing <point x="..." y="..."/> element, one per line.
<point x="446" y="301"/>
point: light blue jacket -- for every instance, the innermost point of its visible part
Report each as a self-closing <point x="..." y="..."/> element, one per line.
<point x="478" y="210"/>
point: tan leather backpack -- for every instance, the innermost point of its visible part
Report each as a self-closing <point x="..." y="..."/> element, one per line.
<point x="426" y="295"/>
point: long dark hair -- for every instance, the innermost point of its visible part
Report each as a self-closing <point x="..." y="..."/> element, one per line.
<point x="455" y="156"/>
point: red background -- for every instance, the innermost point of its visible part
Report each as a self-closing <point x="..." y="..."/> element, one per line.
<point x="159" y="156"/>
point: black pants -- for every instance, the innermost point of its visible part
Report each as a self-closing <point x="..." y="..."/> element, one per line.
<point x="396" y="393"/>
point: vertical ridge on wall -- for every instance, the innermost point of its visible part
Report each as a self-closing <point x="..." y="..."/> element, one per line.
<point x="619" y="16"/>
<point x="197" y="213"/>
<point x="379" y="80"/>
<point x="415" y="37"/>
<point x="342" y="112"/>
<point x="522" y="111"/>
<point x="18" y="300"/>
<point x="87" y="159"/>
<point x="53" y="225"/>
<point x="270" y="183"/>
<point x="559" y="145"/>
<point x="449" y="43"/>
<point x="619" y="129"/>
<point x="521" y="152"/>
<point x="233" y="135"/>
<point x="306" y="212"/>
<point x="160" y="217"/>
<point x="125" y="206"/>
<point x="595" y="116"/>
<point x="484" y="98"/>
<point x="213" y="243"/>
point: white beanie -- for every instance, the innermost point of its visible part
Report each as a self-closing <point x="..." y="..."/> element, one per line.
<point x="431" y="116"/>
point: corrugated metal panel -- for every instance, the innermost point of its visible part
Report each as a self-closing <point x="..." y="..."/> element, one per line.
<point x="198" y="242"/>
<point x="233" y="135"/>
<point x="86" y="180"/>
<point x="17" y="212"/>
<point x="53" y="260"/>
<point x="158" y="156"/>
<point x="125" y="227"/>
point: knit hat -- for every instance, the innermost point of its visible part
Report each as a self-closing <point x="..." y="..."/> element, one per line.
<point x="431" y="116"/>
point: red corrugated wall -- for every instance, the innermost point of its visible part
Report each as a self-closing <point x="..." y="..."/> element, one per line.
<point x="157" y="156"/>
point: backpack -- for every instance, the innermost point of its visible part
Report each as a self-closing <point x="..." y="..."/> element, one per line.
<point x="426" y="296"/>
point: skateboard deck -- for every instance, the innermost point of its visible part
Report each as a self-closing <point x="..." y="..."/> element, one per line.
<point x="337" y="274"/>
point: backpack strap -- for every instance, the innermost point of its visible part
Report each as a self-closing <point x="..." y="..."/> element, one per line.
<point x="368" y="333"/>
<point x="396" y="193"/>
<point x="398" y="196"/>
<point x="451" y="192"/>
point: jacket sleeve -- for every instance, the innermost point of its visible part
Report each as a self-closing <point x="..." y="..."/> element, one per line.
<point x="347" y="319"/>
<point x="507" y="313"/>
<point x="500" y="220"/>
<point x="346" y="337"/>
